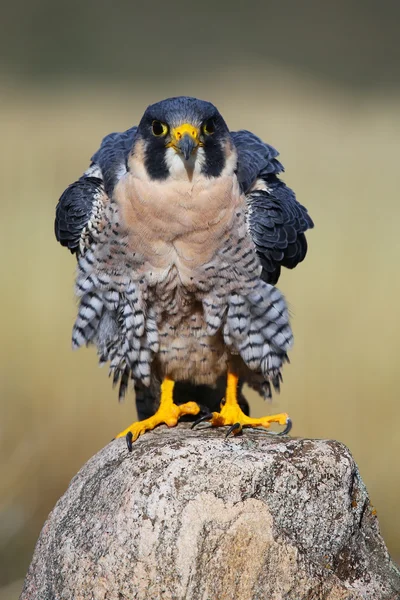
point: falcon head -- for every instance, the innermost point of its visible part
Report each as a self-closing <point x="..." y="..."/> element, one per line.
<point x="179" y="136"/>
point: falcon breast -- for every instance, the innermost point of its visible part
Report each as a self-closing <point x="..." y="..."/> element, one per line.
<point x="181" y="228"/>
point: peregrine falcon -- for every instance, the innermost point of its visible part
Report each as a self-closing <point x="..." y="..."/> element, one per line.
<point x="181" y="228"/>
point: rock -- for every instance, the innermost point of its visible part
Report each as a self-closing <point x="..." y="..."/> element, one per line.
<point x="190" y="515"/>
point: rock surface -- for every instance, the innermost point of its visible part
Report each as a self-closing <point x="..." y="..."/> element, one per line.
<point x="190" y="515"/>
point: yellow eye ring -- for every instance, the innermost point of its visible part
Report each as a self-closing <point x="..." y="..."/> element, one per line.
<point x="159" y="129"/>
<point x="209" y="127"/>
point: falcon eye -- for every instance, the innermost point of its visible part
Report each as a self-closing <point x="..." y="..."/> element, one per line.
<point x="209" y="127"/>
<point x="159" y="128"/>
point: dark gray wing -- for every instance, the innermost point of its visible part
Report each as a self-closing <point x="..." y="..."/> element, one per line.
<point x="77" y="204"/>
<point x="276" y="220"/>
<point x="74" y="210"/>
<point x="112" y="156"/>
<point x="254" y="157"/>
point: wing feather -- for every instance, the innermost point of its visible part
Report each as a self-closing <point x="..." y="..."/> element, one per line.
<point x="77" y="205"/>
<point x="277" y="222"/>
<point x="112" y="156"/>
<point x="74" y="210"/>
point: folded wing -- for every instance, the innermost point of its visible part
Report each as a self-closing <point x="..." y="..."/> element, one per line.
<point x="277" y="222"/>
<point x="78" y="211"/>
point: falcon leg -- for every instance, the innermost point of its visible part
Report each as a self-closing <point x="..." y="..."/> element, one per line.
<point x="231" y="413"/>
<point x="168" y="413"/>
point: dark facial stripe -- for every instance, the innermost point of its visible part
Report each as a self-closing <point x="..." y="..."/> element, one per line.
<point x="154" y="159"/>
<point x="215" y="158"/>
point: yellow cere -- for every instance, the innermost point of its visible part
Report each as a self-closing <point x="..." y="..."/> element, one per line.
<point x="177" y="133"/>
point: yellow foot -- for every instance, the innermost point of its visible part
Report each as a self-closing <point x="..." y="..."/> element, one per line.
<point x="169" y="415"/>
<point x="232" y="415"/>
<point x="235" y="417"/>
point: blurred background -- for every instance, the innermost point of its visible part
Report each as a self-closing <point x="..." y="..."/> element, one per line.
<point x="320" y="82"/>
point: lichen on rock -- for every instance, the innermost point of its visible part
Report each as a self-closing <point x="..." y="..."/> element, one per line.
<point x="192" y="515"/>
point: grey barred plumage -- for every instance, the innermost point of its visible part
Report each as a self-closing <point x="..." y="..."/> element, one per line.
<point x="175" y="254"/>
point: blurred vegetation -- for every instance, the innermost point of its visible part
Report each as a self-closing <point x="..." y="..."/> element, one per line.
<point x="333" y="113"/>
<point x="351" y="42"/>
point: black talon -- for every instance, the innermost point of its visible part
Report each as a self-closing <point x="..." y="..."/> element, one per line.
<point x="289" y="425"/>
<point x="128" y="438"/>
<point x="206" y="417"/>
<point x="232" y="428"/>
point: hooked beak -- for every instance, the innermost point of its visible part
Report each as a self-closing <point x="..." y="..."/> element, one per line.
<point x="186" y="145"/>
<point x="185" y="139"/>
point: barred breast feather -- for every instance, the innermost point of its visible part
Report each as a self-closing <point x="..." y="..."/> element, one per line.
<point x="178" y="288"/>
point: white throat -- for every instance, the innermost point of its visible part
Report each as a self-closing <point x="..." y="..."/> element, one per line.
<point x="184" y="170"/>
